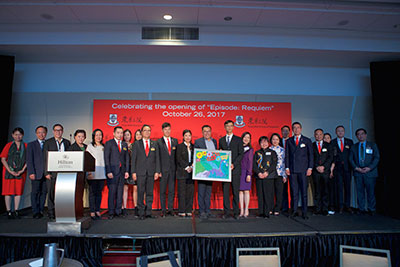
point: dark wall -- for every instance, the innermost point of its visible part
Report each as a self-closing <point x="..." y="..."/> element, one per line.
<point x="385" y="86"/>
<point x="6" y="83"/>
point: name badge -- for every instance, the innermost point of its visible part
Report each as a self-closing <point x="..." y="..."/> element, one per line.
<point x="173" y="148"/>
<point x="324" y="150"/>
<point x="268" y="153"/>
<point x="347" y="147"/>
<point x="368" y="150"/>
<point x="302" y="145"/>
<point x="152" y="149"/>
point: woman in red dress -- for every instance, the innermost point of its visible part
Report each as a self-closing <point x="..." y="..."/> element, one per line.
<point x="14" y="165"/>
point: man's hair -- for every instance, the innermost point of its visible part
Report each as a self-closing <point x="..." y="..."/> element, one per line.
<point x="41" y="126"/>
<point x="361" y="129"/>
<point x="57" y="124"/>
<point x="298" y="123"/>
<point x="205" y="126"/>
<point x="117" y="127"/>
<point x="165" y="125"/>
<point x="228" y="121"/>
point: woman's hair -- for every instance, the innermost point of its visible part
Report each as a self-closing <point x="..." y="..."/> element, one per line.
<point x="186" y="131"/>
<point x="93" y="136"/>
<point x="129" y="131"/>
<point x="18" y="129"/>
<point x="243" y="135"/>
<point x="134" y="138"/>
<point x="80" y="131"/>
<point x="276" y="134"/>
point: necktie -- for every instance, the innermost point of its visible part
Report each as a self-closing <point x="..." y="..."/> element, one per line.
<point x="228" y="140"/>
<point x="41" y="145"/>
<point x="319" y="147"/>
<point x="362" y="152"/>
<point x="147" y="149"/>
<point x="341" y="145"/>
<point x="119" y="146"/>
<point x="297" y="140"/>
<point x="169" y="146"/>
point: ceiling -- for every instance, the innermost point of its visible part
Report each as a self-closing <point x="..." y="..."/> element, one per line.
<point x="380" y="15"/>
<point x="361" y="18"/>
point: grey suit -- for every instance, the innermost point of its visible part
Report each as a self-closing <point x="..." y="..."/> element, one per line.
<point x="365" y="181"/>
<point x="204" y="187"/>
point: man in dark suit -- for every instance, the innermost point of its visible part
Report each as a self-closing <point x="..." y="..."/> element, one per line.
<point x="205" y="187"/>
<point x="364" y="158"/>
<point x="56" y="143"/>
<point x="145" y="170"/>
<point x="35" y="166"/>
<point x="235" y="145"/>
<point x="323" y="157"/>
<point x="116" y="159"/>
<point x="342" y="171"/>
<point x="167" y="150"/>
<point x="299" y="165"/>
<point x="285" y="131"/>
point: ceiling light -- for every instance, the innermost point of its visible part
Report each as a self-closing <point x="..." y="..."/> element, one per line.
<point x="46" y="16"/>
<point x="228" y="18"/>
<point x="167" y="17"/>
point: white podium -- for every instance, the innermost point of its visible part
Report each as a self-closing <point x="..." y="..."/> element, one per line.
<point x="70" y="167"/>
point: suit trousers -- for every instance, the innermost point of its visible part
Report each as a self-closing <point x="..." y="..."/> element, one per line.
<point x="265" y="195"/>
<point x="235" y="184"/>
<point x="204" y="196"/>
<point x="51" y="193"/>
<point x="95" y="194"/>
<point x="115" y="193"/>
<point x="299" y="183"/>
<point x="38" y="195"/>
<point x="321" y="185"/>
<point x="185" y="194"/>
<point x="364" y="185"/>
<point x="145" y="185"/>
<point x="343" y="187"/>
<point x="167" y="180"/>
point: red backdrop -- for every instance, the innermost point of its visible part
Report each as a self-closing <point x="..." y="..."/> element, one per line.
<point x="258" y="118"/>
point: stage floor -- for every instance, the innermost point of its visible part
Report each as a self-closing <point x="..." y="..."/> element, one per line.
<point x="131" y="227"/>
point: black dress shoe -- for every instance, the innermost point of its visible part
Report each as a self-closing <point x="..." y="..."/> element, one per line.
<point x="151" y="216"/>
<point x="39" y="215"/>
<point x="10" y="215"/>
<point x="35" y="216"/>
<point x="236" y="217"/>
<point x="305" y="217"/>
<point x="325" y="213"/>
<point x="141" y="218"/>
<point x="163" y="215"/>
<point x="51" y="217"/>
<point x="111" y="216"/>
<point x="170" y="213"/>
<point x="16" y="215"/>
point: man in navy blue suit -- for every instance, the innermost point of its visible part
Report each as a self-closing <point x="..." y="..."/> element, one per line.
<point x="299" y="165"/>
<point x="116" y="159"/>
<point x="364" y="158"/>
<point x="205" y="187"/>
<point x="35" y="166"/>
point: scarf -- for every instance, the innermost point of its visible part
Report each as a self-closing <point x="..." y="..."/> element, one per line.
<point x="15" y="160"/>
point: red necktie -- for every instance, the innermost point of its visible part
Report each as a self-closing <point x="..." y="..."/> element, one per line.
<point x="147" y="150"/>
<point x="119" y="146"/>
<point x="169" y="146"/>
<point x="319" y="147"/>
<point x="341" y="145"/>
<point x="297" y="140"/>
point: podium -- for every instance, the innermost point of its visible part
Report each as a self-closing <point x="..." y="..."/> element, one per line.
<point x="70" y="167"/>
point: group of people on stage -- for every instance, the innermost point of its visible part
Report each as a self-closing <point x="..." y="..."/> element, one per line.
<point x="279" y="161"/>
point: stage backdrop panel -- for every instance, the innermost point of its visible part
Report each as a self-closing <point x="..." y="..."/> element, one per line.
<point x="258" y="118"/>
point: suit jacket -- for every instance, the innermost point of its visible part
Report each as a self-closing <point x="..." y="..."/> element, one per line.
<point x="51" y="145"/>
<point x="201" y="143"/>
<point x="325" y="158"/>
<point x="35" y="160"/>
<point x="237" y="151"/>
<point x="299" y="158"/>
<point x="167" y="161"/>
<point x="268" y="159"/>
<point x="142" y="164"/>
<point x="116" y="162"/>
<point x="182" y="160"/>
<point x="371" y="159"/>
<point x="342" y="158"/>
